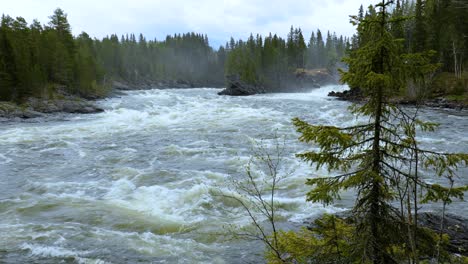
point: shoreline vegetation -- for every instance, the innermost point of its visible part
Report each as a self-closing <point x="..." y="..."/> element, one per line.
<point x="45" y="69"/>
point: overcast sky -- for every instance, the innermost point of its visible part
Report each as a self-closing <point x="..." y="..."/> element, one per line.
<point x="220" y="19"/>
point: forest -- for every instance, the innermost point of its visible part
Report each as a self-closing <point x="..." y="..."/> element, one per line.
<point x="438" y="28"/>
<point x="273" y="62"/>
<point x="38" y="60"/>
<point x="166" y="175"/>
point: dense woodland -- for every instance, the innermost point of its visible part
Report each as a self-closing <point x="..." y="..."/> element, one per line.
<point x="379" y="159"/>
<point x="439" y="27"/>
<point x="273" y="61"/>
<point x="37" y="60"/>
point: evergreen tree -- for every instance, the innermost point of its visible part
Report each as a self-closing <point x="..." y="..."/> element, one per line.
<point x="321" y="52"/>
<point x="8" y="78"/>
<point x="420" y="35"/>
<point x="379" y="157"/>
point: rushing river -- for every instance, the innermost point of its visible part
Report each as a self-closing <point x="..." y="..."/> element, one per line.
<point x="134" y="184"/>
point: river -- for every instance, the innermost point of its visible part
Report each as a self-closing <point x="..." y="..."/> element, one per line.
<point x="134" y="184"/>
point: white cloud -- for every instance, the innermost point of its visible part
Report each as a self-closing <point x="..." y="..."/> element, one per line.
<point x="220" y="19"/>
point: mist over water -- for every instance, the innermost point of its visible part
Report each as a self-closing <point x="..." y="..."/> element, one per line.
<point x="132" y="184"/>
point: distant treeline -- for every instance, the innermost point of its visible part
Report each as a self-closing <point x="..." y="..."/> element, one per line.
<point x="438" y="26"/>
<point x="273" y="61"/>
<point x="36" y="60"/>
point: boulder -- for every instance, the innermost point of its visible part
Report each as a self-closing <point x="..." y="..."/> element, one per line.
<point x="120" y="86"/>
<point x="237" y="87"/>
<point x="352" y="95"/>
<point x="28" y="113"/>
<point x="314" y="78"/>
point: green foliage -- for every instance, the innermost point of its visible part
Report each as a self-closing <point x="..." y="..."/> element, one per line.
<point x="381" y="159"/>
<point x="329" y="241"/>
<point x="34" y="58"/>
<point x="185" y="57"/>
<point x="439" y="26"/>
<point x="273" y="61"/>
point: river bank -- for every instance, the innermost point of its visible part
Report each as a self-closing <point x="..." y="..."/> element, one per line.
<point x="302" y="80"/>
<point x="355" y="95"/>
<point x="455" y="226"/>
<point x="62" y="102"/>
<point x="37" y="107"/>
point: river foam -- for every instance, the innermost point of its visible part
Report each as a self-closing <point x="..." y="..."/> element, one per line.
<point x="138" y="182"/>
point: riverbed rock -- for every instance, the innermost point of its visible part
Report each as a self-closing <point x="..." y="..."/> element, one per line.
<point x="147" y="84"/>
<point x="352" y="95"/>
<point x="120" y="86"/>
<point x="445" y="103"/>
<point x="237" y="87"/>
<point x="37" y="107"/>
<point x="315" y="78"/>
<point x="355" y="95"/>
<point x="302" y="80"/>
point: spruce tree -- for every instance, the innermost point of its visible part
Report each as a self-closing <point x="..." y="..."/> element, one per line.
<point x="378" y="157"/>
<point x="8" y="78"/>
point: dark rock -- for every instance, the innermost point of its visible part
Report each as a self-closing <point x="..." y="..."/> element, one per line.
<point x="78" y="106"/>
<point x="444" y="103"/>
<point x="454" y="226"/>
<point x="314" y="78"/>
<point x="31" y="114"/>
<point x="355" y="95"/>
<point x="237" y="87"/>
<point x="301" y="80"/>
<point x="37" y="107"/>
<point x="352" y="95"/>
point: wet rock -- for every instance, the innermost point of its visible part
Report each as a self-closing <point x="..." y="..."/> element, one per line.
<point x="31" y="114"/>
<point x="237" y="87"/>
<point x="444" y="103"/>
<point x="36" y="107"/>
<point x="120" y="86"/>
<point x="146" y="84"/>
<point x="355" y="95"/>
<point x="314" y="78"/>
<point x="352" y="95"/>
<point x="454" y="226"/>
<point x="301" y="80"/>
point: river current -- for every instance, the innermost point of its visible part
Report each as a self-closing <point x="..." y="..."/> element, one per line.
<point x="135" y="183"/>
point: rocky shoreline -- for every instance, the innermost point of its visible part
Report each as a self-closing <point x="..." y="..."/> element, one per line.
<point x="36" y="107"/>
<point x="456" y="227"/>
<point x="162" y="84"/>
<point x="300" y="81"/>
<point x="66" y="103"/>
<point x="355" y="95"/>
<point x="237" y="87"/>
